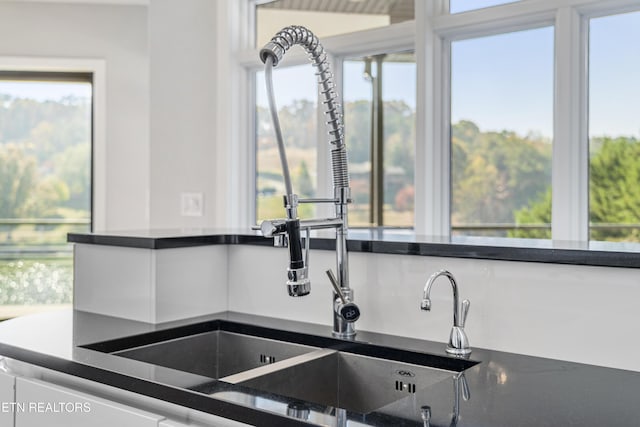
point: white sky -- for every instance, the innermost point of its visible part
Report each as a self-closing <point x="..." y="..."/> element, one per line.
<point x="45" y="91"/>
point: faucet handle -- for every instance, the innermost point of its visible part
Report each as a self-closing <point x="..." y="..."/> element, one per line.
<point x="272" y="227"/>
<point x="336" y="287"/>
<point x="348" y="310"/>
<point x="465" y="311"/>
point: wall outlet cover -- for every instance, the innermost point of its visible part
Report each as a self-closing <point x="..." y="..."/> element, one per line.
<point x="192" y="204"/>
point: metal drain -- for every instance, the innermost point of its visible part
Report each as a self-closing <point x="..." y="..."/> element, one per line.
<point x="267" y="359"/>
<point x="407" y="387"/>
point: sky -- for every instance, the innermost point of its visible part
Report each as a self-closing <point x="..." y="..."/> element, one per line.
<point x="513" y="90"/>
<point x="614" y="72"/>
<point x="45" y="91"/>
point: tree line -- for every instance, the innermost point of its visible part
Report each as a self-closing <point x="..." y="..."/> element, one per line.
<point x="496" y="177"/>
<point x="45" y="158"/>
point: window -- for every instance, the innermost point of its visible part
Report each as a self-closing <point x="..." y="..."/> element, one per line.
<point x="45" y="185"/>
<point x="380" y="106"/>
<point x="392" y="76"/>
<point x="614" y="128"/>
<point x="514" y="81"/>
<point x="457" y="6"/>
<point x="501" y="131"/>
<point x="296" y="100"/>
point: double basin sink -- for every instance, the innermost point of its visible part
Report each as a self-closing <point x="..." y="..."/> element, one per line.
<point x="317" y="370"/>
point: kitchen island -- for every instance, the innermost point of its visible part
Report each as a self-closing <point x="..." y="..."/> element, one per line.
<point x="502" y="389"/>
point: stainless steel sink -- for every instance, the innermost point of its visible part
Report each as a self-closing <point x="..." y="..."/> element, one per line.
<point x="252" y="364"/>
<point x="215" y="354"/>
<point x="334" y="378"/>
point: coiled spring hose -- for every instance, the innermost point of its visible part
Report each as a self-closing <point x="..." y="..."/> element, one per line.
<point x="271" y="54"/>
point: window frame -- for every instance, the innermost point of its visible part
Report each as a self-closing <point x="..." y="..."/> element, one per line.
<point x="430" y="35"/>
<point x="68" y="70"/>
<point x="96" y="68"/>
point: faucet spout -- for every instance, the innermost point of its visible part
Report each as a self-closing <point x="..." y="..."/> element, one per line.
<point x="458" y="341"/>
<point x="426" y="299"/>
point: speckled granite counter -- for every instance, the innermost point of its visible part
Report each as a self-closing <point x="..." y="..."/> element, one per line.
<point x="505" y="389"/>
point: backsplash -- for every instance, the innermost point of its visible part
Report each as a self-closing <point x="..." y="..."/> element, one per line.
<point x="574" y="313"/>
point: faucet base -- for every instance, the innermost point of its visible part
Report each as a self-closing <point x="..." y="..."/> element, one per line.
<point x="458" y="342"/>
<point x="344" y="335"/>
<point x="458" y="351"/>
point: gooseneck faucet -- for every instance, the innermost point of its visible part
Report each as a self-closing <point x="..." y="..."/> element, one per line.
<point x="458" y="341"/>
<point x="298" y="283"/>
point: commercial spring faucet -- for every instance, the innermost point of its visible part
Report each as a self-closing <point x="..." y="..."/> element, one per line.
<point x="345" y="312"/>
<point x="458" y="341"/>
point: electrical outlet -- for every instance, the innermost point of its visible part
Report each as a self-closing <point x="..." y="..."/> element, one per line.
<point x="192" y="204"/>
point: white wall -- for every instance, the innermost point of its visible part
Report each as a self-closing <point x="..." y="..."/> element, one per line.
<point x="160" y="96"/>
<point x="582" y="314"/>
<point x="117" y="35"/>
<point x="182" y="37"/>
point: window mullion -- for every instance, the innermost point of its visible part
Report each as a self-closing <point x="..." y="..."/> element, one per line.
<point x="432" y="189"/>
<point x="570" y="208"/>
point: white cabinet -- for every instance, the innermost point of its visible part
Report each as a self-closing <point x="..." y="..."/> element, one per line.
<point x="140" y="284"/>
<point x="210" y="422"/>
<point x="33" y="397"/>
<point x="7" y="399"/>
<point x="42" y="404"/>
<point x="168" y="423"/>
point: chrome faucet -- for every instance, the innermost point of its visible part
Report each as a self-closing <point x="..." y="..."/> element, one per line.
<point x="298" y="283"/>
<point x="458" y="341"/>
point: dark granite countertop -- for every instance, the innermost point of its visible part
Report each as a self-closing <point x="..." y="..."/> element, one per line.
<point x="505" y="389"/>
<point x="388" y="242"/>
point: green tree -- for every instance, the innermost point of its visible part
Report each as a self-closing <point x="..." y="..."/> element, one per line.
<point x="17" y="181"/>
<point x="614" y="187"/>
<point x="303" y="184"/>
<point x="357" y="121"/>
<point x="494" y="174"/>
<point x="399" y="130"/>
<point x="73" y="167"/>
<point x="23" y="194"/>
<point x="538" y="213"/>
<point x="298" y="122"/>
<point x="614" y="193"/>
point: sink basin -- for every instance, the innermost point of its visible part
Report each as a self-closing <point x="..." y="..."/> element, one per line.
<point x="251" y="364"/>
<point x="215" y="353"/>
<point x="354" y="382"/>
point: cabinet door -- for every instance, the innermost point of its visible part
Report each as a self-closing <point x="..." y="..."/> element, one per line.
<point x="7" y="398"/>
<point x="210" y="422"/>
<point x="42" y="404"/>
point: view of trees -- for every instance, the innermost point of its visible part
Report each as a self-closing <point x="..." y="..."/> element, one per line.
<point x="614" y="187"/>
<point x="497" y="177"/>
<point x="614" y="193"/>
<point x="44" y="159"/>
<point x="495" y="174"/>
<point x="45" y="173"/>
